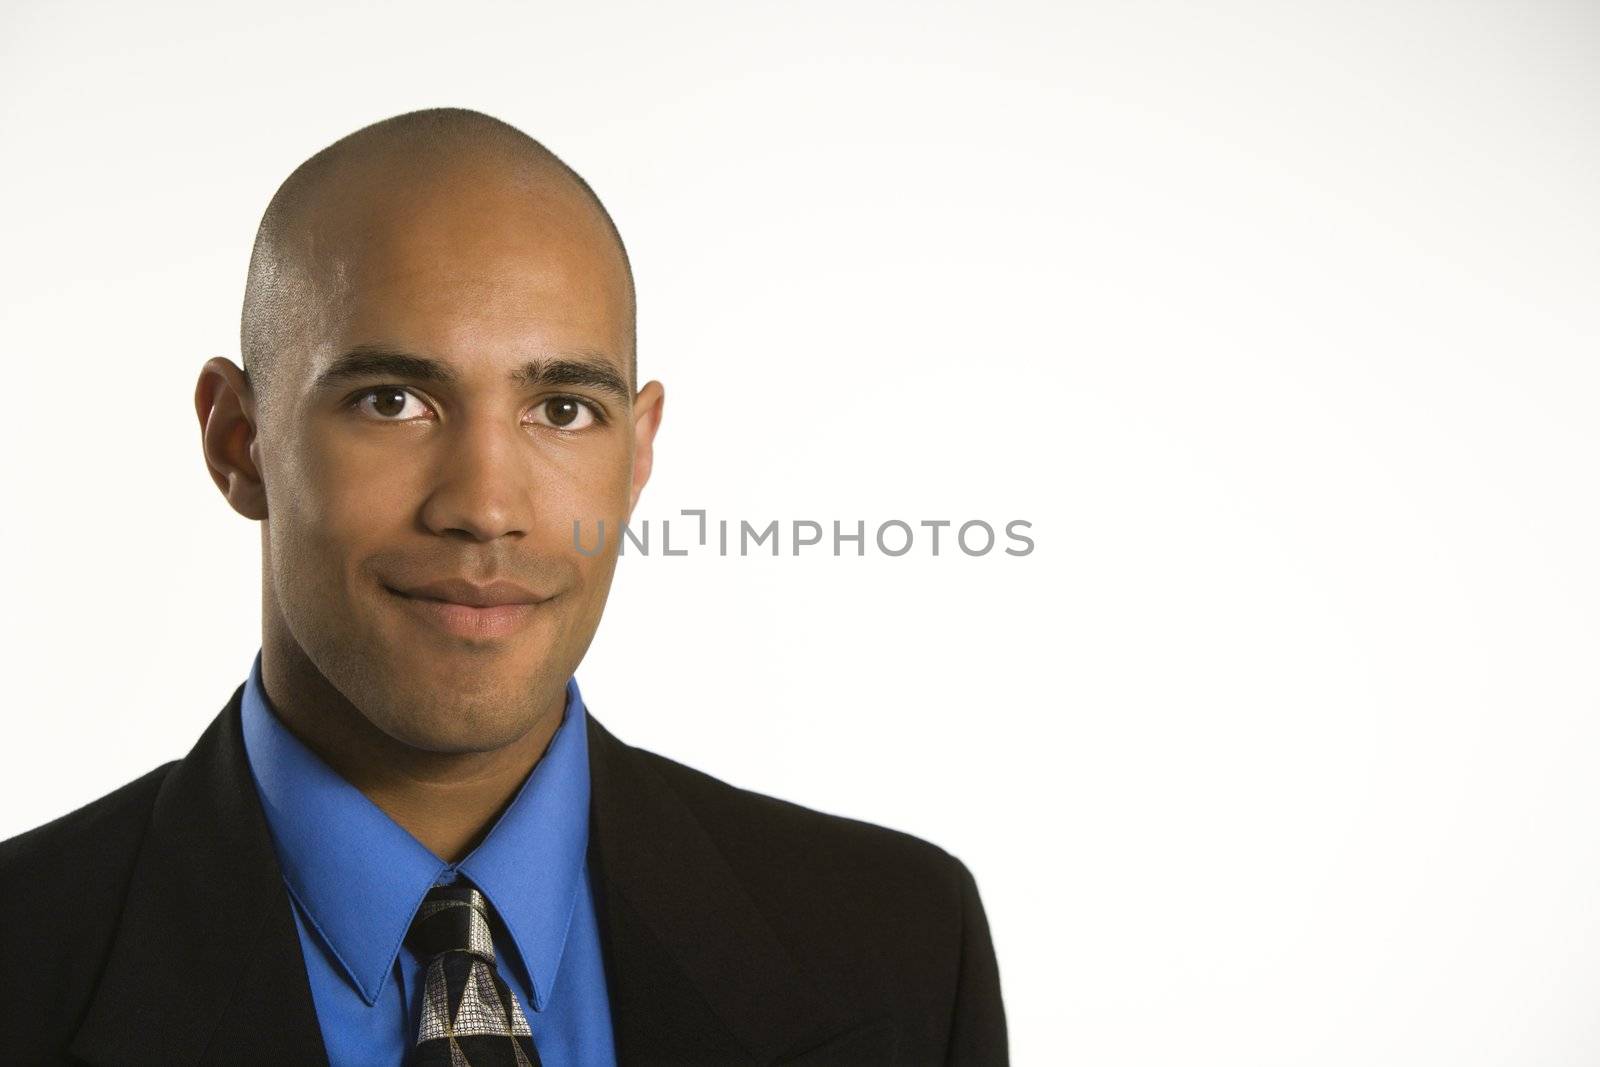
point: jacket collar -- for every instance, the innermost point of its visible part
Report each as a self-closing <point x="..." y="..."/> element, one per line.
<point x="206" y="965"/>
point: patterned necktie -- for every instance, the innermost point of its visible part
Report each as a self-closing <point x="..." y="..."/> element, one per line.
<point x="469" y="1017"/>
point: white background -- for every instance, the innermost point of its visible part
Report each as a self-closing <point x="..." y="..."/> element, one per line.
<point x="1278" y="322"/>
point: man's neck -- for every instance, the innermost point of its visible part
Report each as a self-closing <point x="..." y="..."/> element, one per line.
<point x="446" y="800"/>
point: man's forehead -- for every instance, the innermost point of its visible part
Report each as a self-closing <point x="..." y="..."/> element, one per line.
<point x="474" y="310"/>
<point x="459" y="267"/>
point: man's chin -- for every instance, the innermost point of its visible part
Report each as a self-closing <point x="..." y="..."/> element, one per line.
<point x="454" y="738"/>
<point x="457" y="728"/>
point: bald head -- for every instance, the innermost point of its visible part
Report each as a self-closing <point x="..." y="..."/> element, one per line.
<point x="423" y="176"/>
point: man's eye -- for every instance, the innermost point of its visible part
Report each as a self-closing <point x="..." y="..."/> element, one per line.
<point x="565" y="413"/>
<point x="391" y="403"/>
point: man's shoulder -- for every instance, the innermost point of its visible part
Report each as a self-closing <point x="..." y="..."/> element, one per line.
<point x="737" y="816"/>
<point x="102" y="832"/>
<point x="63" y="886"/>
<point x="887" y="921"/>
<point x="809" y="867"/>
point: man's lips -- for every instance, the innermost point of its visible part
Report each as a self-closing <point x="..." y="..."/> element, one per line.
<point x="465" y="609"/>
<point x="460" y="591"/>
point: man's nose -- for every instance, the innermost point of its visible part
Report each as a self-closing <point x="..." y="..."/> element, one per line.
<point x="484" y="486"/>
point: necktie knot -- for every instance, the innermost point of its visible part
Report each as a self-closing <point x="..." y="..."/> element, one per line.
<point x="469" y="1016"/>
<point x="452" y="919"/>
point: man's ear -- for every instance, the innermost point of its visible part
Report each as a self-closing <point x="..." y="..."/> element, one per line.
<point x="646" y="419"/>
<point x="226" y="404"/>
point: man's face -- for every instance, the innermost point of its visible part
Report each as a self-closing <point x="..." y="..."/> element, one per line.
<point x="384" y="480"/>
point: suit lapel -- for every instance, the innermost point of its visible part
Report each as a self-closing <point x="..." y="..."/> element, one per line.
<point x="695" y="973"/>
<point x="206" y="966"/>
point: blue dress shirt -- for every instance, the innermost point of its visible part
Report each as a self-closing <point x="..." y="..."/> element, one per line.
<point x="356" y="878"/>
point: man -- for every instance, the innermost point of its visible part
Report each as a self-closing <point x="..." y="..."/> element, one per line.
<point x="405" y="839"/>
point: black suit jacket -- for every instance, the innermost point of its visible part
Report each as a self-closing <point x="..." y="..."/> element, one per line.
<point x="153" y="927"/>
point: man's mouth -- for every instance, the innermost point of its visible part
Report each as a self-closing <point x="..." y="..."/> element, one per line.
<point x="464" y="609"/>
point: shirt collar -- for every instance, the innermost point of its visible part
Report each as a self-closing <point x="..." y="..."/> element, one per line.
<point x="359" y="876"/>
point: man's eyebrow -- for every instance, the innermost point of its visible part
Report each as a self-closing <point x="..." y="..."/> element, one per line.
<point x="592" y="371"/>
<point x="371" y="361"/>
<point x="582" y="369"/>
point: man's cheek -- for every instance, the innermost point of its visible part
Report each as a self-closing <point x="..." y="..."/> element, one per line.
<point x="370" y="483"/>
